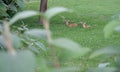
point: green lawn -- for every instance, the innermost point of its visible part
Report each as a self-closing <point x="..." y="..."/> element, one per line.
<point x="96" y="13"/>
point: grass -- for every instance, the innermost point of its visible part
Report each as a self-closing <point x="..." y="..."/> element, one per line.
<point x="96" y="13"/>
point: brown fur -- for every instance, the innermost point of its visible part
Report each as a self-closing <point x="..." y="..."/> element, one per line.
<point x="67" y="22"/>
<point x="84" y="25"/>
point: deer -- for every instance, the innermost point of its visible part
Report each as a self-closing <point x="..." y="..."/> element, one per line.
<point x="67" y="22"/>
<point x="84" y="25"/>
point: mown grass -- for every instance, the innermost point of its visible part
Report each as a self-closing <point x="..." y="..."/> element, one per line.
<point x="96" y="13"/>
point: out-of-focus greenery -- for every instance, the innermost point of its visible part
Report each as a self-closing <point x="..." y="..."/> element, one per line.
<point x="97" y="13"/>
<point x="110" y="51"/>
<point x="9" y="7"/>
<point x="15" y="47"/>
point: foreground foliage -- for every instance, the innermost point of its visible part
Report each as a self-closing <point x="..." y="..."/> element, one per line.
<point x="111" y="51"/>
<point x="9" y="7"/>
<point x="16" y="47"/>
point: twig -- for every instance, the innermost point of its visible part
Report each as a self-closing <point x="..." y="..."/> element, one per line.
<point x="55" y="59"/>
<point x="8" y="39"/>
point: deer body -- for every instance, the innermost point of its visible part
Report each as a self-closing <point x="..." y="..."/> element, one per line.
<point x="67" y="22"/>
<point x="84" y="25"/>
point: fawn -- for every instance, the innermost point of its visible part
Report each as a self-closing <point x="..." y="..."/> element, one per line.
<point x="67" y="22"/>
<point x="84" y="25"/>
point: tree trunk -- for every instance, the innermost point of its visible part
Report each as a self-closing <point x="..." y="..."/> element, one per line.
<point x="43" y="8"/>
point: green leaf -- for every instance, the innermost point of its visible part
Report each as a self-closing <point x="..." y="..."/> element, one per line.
<point x="34" y="49"/>
<point x="54" y="11"/>
<point x="71" y="46"/>
<point x="42" y="65"/>
<point x="117" y="29"/>
<point x="23" y="15"/>
<point x="23" y="61"/>
<point x="1" y="27"/>
<point x="16" y="41"/>
<point x="13" y="8"/>
<point x="37" y="33"/>
<point x="110" y="28"/>
<point x="3" y="9"/>
<point x="117" y="61"/>
<point x="40" y="45"/>
<point x="3" y="14"/>
<point x="108" y="50"/>
<point x="21" y="4"/>
<point x="116" y="17"/>
<point x="2" y="41"/>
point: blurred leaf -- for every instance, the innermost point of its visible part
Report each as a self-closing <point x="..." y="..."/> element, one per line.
<point x="106" y="69"/>
<point x="110" y="28"/>
<point x="108" y="50"/>
<point x="1" y="48"/>
<point x="40" y="45"/>
<point x="23" y="15"/>
<point x="101" y="65"/>
<point x="116" y="17"/>
<point x="13" y="8"/>
<point x="34" y="49"/>
<point x="117" y="29"/>
<point x="54" y="11"/>
<point x="2" y="41"/>
<point x="71" y="46"/>
<point x="117" y="61"/>
<point x="3" y="13"/>
<point x="1" y="27"/>
<point x="1" y="23"/>
<point x="3" y="9"/>
<point x="24" y="61"/>
<point x="16" y="41"/>
<point x="2" y="6"/>
<point x="42" y="65"/>
<point x="37" y="33"/>
<point x="64" y="55"/>
<point x="66" y="69"/>
<point x="21" y="4"/>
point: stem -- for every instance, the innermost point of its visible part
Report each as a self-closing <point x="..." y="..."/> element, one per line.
<point x="7" y="39"/>
<point x="46" y="25"/>
<point x="55" y="59"/>
<point x="49" y="38"/>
